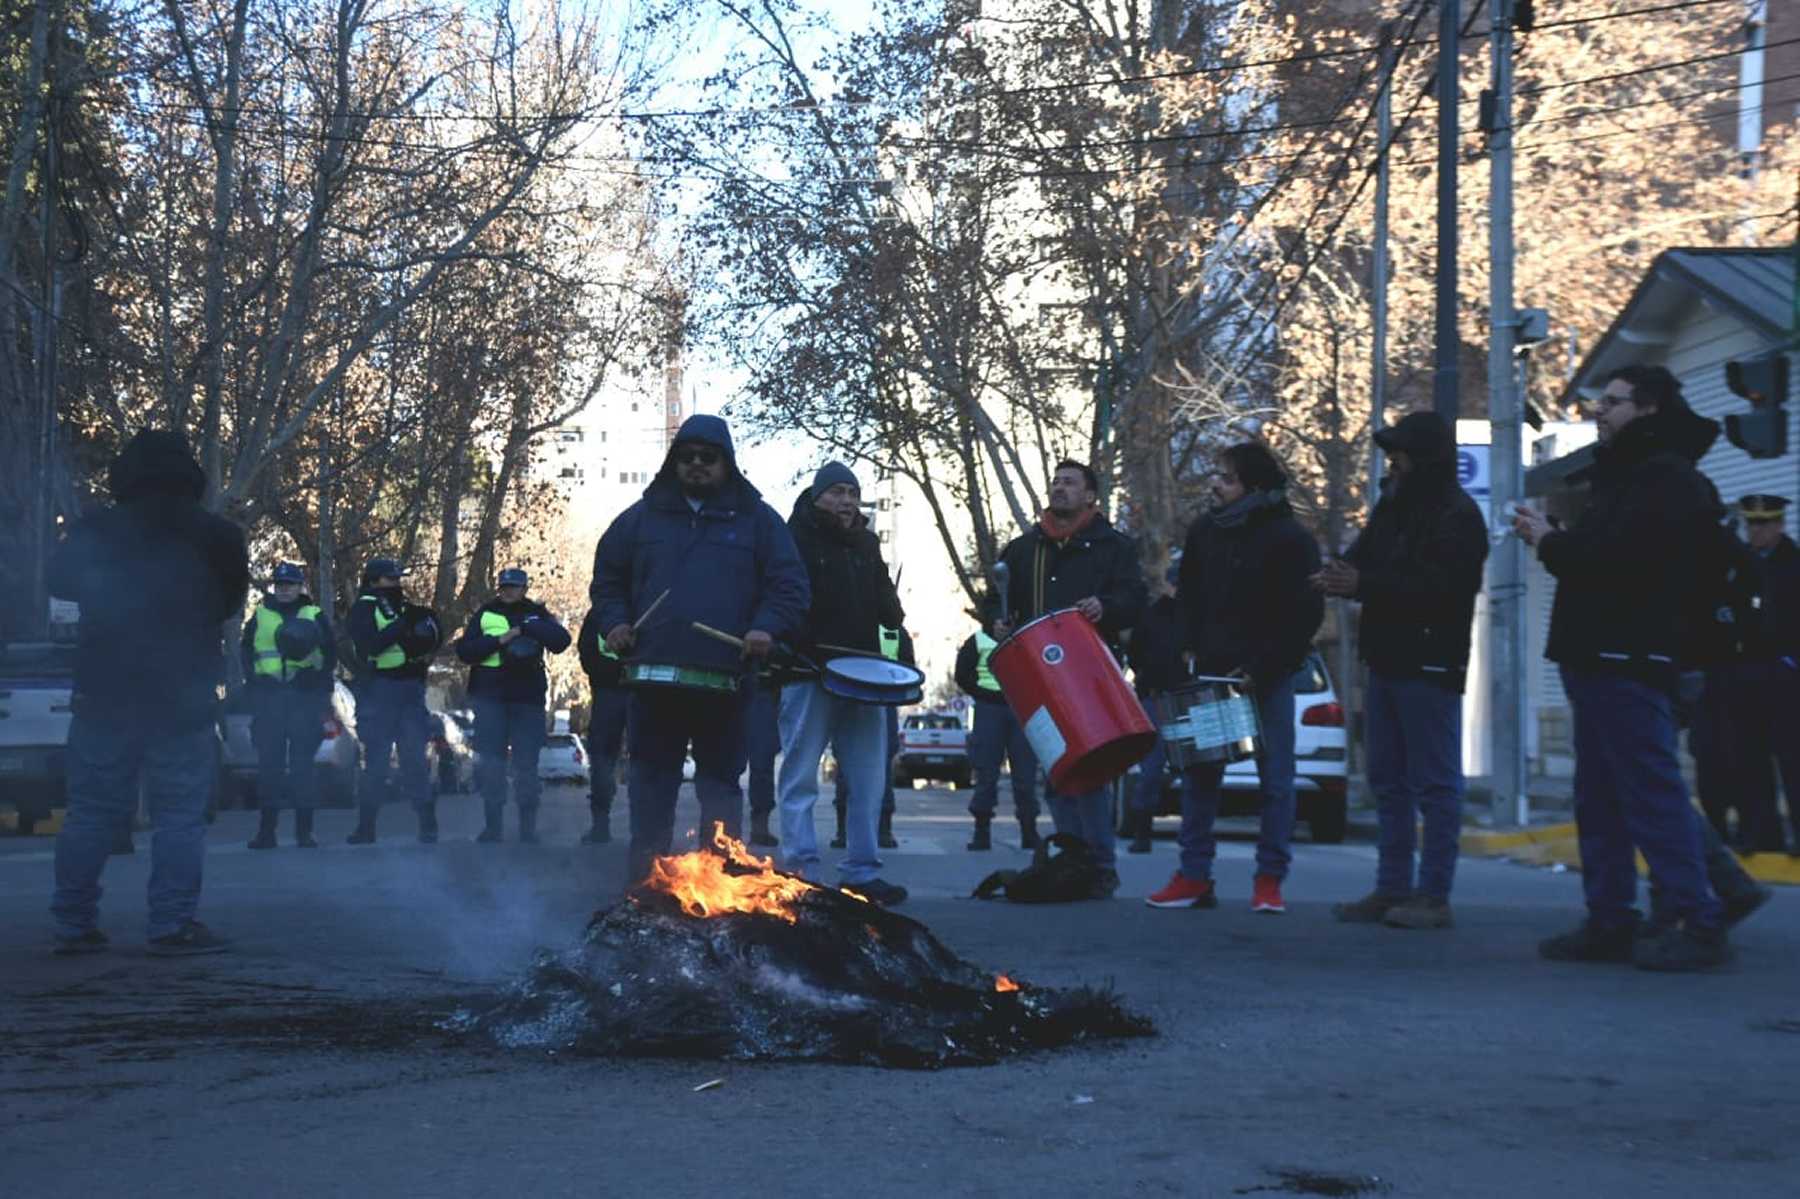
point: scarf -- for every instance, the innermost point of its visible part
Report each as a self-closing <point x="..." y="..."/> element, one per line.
<point x="1058" y="529"/>
<point x="1239" y="511"/>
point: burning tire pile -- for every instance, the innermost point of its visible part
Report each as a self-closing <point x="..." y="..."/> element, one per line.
<point x="718" y="955"/>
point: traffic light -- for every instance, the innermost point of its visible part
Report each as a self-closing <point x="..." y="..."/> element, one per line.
<point x="1762" y="433"/>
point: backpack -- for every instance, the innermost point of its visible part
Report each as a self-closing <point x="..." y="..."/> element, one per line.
<point x="1070" y="875"/>
<point x="1724" y="605"/>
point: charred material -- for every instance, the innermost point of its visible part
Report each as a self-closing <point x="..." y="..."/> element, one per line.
<point x="843" y="980"/>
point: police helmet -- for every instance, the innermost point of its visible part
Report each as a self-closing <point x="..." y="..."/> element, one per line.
<point x="297" y="638"/>
<point x="524" y="647"/>
<point x="422" y="635"/>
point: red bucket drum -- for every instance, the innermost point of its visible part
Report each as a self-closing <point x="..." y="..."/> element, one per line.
<point x="1082" y="718"/>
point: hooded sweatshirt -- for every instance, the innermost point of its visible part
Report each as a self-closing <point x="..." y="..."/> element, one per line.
<point x="730" y="564"/>
<point x="852" y="595"/>
<point x="1420" y="561"/>
<point x="156" y="576"/>
<point x="1245" y="589"/>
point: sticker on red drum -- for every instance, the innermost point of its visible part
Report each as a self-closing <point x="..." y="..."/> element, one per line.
<point x="1053" y="654"/>
<point x="1046" y="739"/>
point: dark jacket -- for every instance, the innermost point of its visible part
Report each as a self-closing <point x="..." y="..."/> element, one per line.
<point x="1420" y="562"/>
<point x="303" y="680"/>
<point x="1779" y="633"/>
<point x="602" y="670"/>
<point x="370" y="641"/>
<point x="1155" y="650"/>
<point x="156" y="576"/>
<point x="730" y="565"/>
<point x="968" y="660"/>
<point x="1623" y="571"/>
<point x="1045" y="575"/>
<point x="852" y="595"/>
<point x="1247" y="593"/>
<point x="516" y="680"/>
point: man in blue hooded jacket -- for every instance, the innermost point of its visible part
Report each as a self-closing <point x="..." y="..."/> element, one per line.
<point x="703" y="543"/>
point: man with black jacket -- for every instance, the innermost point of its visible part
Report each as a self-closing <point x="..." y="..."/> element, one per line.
<point x="156" y="576"/>
<point x="1251" y="611"/>
<point x="1074" y="558"/>
<point x="997" y="737"/>
<point x="607" y="707"/>
<point x="1765" y="684"/>
<point x="504" y="647"/>
<point x="1416" y="569"/>
<point x="394" y="643"/>
<point x="852" y="598"/>
<point x="288" y="654"/>
<point x="1617" y="631"/>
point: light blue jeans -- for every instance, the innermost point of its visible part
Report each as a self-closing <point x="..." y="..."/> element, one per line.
<point x="1088" y="816"/>
<point x="811" y="719"/>
<point x="106" y="757"/>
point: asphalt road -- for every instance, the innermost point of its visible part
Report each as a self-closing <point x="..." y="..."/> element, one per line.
<point x="1295" y="1055"/>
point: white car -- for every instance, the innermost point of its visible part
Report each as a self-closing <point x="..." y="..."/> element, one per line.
<point x="36" y="680"/>
<point x="563" y="759"/>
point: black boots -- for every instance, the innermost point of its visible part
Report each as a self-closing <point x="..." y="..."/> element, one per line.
<point x="492" y="833"/>
<point x="760" y="833"/>
<point x="838" y="842"/>
<point x="1142" y="824"/>
<point x="365" y="825"/>
<point x="601" y="833"/>
<point x="984" y="835"/>
<point x="428" y="830"/>
<point x="265" y="829"/>
<point x="528" y="826"/>
<point x="303" y="828"/>
<point x="1028" y="834"/>
<point x="885" y="835"/>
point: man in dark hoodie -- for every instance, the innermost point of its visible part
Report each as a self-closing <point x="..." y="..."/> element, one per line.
<point x="394" y="642"/>
<point x="504" y="646"/>
<point x="288" y="654"/>
<point x="1617" y="631"/>
<point x="702" y="542"/>
<point x="156" y="577"/>
<point x="606" y="725"/>
<point x="1251" y="611"/>
<point x="1416" y="568"/>
<point x="852" y="597"/>
<point x="998" y="738"/>
<point x="1074" y="558"/>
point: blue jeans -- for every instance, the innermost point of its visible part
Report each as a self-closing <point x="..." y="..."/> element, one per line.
<point x="1629" y="794"/>
<point x="508" y="732"/>
<point x="391" y="720"/>
<point x="605" y="742"/>
<point x="1415" y="770"/>
<point x="840" y="798"/>
<point x="660" y="727"/>
<point x="106" y="757"/>
<point x="812" y="718"/>
<point x="1147" y="795"/>
<point x="286" y="726"/>
<point x="1088" y="816"/>
<point x="765" y="743"/>
<point x="1275" y="771"/>
<point x="999" y="737"/>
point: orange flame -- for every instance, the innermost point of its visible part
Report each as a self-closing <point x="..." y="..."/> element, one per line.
<point x="1003" y="983"/>
<point x="700" y="883"/>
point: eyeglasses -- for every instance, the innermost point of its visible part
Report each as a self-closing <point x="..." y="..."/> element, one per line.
<point x="697" y="456"/>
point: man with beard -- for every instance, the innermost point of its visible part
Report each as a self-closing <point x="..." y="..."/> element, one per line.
<point x="1617" y="629"/>
<point x="1074" y="558"/>
<point x="1416" y="569"/>
<point x="504" y="646"/>
<point x="1251" y="612"/>
<point x="394" y="642"/>
<point x="156" y="576"/>
<point x="288" y="659"/>
<point x="702" y="547"/>
<point x="852" y="598"/>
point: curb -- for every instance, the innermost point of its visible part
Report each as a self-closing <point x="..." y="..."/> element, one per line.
<point x="1556" y="844"/>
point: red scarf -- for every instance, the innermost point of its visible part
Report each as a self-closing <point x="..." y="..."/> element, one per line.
<point x="1057" y="529"/>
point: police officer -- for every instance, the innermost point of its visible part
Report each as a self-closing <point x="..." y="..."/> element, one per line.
<point x="606" y="725"/>
<point x="394" y="642"/>
<point x="504" y="646"/>
<point x="1767" y="691"/>
<point x="998" y="737"/>
<point x="288" y="659"/>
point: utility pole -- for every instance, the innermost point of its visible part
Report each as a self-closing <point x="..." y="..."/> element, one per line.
<point x="1506" y="564"/>
<point x="43" y="491"/>
<point x="1445" y="398"/>
<point x="1378" y="264"/>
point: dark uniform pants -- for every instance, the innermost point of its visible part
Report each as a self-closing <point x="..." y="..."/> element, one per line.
<point x="660" y="728"/>
<point x="605" y="742"/>
<point x="508" y="733"/>
<point x="999" y="737"/>
<point x="1765" y="727"/>
<point x="286" y="726"/>
<point x="392" y="722"/>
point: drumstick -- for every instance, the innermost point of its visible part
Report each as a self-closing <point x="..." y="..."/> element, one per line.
<point x="654" y="604"/>
<point x="716" y="635"/>
<point x="844" y="649"/>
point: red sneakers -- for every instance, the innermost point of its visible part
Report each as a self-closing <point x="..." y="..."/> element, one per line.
<point x="1266" y="897"/>
<point x="1184" y="892"/>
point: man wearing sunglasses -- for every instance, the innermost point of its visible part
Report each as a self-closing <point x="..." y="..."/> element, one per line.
<point x="725" y="559"/>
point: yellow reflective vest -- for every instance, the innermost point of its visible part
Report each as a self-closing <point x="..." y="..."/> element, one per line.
<point x="266" y="658"/>
<point x="393" y="657"/>
<point x="890" y="643"/>
<point x="984" y="649"/>
<point x="493" y="625"/>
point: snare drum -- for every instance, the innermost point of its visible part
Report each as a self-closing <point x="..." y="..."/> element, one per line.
<point x="706" y="680"/>
<point x="873" y="681"/>
<point x="1207" y="720"/>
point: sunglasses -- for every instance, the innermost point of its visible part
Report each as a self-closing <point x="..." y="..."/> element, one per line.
<point x="697" y="456"/>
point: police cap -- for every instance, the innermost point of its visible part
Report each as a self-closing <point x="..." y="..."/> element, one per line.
<point x="512" y="576"/>
<point x="382" y="568"/>
<point x="288" y="572"/>
<point x="1763" y="507"/>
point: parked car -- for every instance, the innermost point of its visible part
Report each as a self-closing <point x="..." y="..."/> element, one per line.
<point x="933" y="746"/>
<point x="453" y="756"/>
<point x="336" y="764"/>
<point x="36" y="680"/>
<point x="1321" y="789"/>
<point x="564" y="759"/>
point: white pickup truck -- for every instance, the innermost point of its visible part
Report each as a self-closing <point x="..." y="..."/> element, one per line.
<point x="934" y="746"/>
<point x="35" y="685"/>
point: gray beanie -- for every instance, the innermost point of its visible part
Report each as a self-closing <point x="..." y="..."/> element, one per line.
<point x="831" y="474"/>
